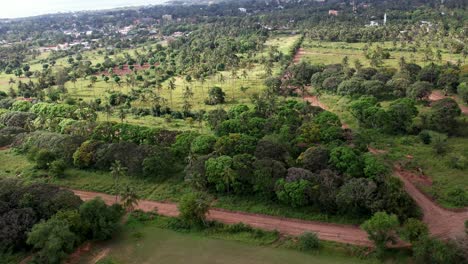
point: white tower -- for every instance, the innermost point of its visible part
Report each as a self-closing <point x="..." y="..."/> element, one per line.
<point x="385" y="19"/>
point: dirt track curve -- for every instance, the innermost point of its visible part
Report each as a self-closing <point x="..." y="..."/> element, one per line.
<point x="442" y="223"/>
<point x="438" y="95"/>
<point x="333" y="232"/>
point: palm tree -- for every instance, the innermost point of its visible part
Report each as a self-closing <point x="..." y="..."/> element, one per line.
<point x="122" y="114"/>
<point x="171" y="87"/>
<point x="233" y="77"/>
<point x="229" y="177"/>
<point x="108" y="109"/>
<point x="129" y="199"/>
<point x="117" y="171"/>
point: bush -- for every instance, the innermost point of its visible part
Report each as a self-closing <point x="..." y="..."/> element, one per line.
<point x="463" y="92"/>
<point x="440" y="144"/>
<point x="53" y="239"/>
<point x="193" y="208"/>
<point x="17" y="119"/>
<point x="413" y="230"/>
<point x="431" y="250"/>
<point x="459" y="162"/>
<point x="21" y="106"/>
<point x="85" y="155"/>
<point x="99" y="220"/>
<point x="425" y="137"/>
<point x="57" y="168"/>
<point x="43" y="158"/>
<point x="215" y="96"/>
<point x="458" y="196"/>
<point x="308" y="241"/>
<point x="381" y="229"/>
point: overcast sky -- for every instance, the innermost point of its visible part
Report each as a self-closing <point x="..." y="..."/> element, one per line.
<point x="24" y="8"/>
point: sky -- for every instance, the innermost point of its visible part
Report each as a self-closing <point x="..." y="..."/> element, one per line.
<point x="25" y="8"/>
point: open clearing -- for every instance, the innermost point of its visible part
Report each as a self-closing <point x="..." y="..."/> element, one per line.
<point x="333" y="52"/>
<point x="164" y="247"/>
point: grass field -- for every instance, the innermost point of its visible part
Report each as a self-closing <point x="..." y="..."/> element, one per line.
<point x="148" y="243"/>
<point x="334" y="52"/>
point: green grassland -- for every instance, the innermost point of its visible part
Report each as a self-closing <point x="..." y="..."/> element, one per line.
<point x="318" y="52"/>
<point x="151" y="242"/>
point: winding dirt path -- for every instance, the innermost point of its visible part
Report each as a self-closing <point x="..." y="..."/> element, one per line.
<point x="438" y="95"/>
<point x="314" y="100"/>
<point x="442" y="223"/>
<point x="333" y="232"/>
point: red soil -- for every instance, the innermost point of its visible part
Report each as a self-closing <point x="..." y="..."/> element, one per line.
<point x="442" y="223"/>
<point x="126" y="69"/>
<point x="437" y="95"/>
<point x="299" y="54"/>
<point x="333" y="232"/>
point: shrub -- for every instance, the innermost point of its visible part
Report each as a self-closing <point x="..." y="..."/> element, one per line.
<point x="414" y="230"/>
<point x="85" y="155"/>
<point x="459" y="162"/>
<point x="463" y="92"/>
<point x="193" y="208"/>
<point x="43" y="158"/>
<point x="21" y="106"/>
<point x="431" y="250"/>
<point x="440" y="144"/>
<point x="99" y="220"/>
<point x="17" y="119"/>
<point x="381" y="229"/>
<point x="215" y="96"/>
<point x="425" y="137"/>
<point x="53" y="239"/>
<point x="458" y="196"/>
<point x="57" y="168"/>
<point x="308" y="241"/>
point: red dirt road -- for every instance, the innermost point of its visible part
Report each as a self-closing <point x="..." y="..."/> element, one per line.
<point x="442" y="223"/>
<point x="313" y="100"/>
<point x="333" y="232"/>
<point x="438" y="95"/>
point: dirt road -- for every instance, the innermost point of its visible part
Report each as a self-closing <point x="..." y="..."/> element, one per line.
<point x="438" y="95"/>
<point x="333" y="232"/>
<point x="442" y="223"/>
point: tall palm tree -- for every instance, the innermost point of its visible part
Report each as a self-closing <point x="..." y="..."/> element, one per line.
<point x="233" y="78"/>
<point x="117" y="171"/>
<point x="129" y="199"/>
<point x="171" y="86"/>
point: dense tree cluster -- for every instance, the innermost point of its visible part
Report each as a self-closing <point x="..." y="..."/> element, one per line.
<point x="50" y="220"/>
<point x="298" y="156"/>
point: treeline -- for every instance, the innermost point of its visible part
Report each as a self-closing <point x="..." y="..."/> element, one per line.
<point x="49" y="221"/>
